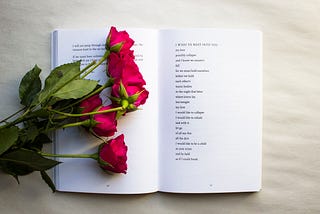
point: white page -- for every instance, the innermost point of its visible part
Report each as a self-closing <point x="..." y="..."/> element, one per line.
<point x="217" y="145"/>
<point x="139" y="127"/>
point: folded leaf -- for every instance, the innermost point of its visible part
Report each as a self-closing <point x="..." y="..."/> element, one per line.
<point x="15" y="169"/>
<point x="28" y="158"/>
<point x="38" y="142"/>
<point x="30" y="85"/>
<point x="48" y="180"/>
<point x="8" y="136"/>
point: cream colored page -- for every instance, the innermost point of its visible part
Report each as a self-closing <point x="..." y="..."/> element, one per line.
<point x="84" y="175"/>
<point x="210" y="110"/>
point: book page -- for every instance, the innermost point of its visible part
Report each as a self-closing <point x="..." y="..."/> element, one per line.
<point x="210" y="110"/>
<point x="139" y="127"/>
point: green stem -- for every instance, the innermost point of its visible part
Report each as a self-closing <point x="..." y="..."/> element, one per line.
<point x="94" y="156"/>
<point x="73" y="124"/>
<point x="105" y="56"/>
<point x="26" y="113"/>
<point x="86" y="123"/>
<point x="12" y="115"/>
<point x="88" y="66"/>
<point x="18" y="120"/>
<point x="89" y="113"/>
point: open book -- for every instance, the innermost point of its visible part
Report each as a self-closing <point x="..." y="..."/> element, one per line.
<point x="200" y="130"/>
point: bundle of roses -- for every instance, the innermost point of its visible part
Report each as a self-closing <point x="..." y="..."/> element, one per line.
<point x="68" y="99"/>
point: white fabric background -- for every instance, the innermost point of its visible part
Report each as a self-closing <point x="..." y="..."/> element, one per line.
<point x="291" y="133"/>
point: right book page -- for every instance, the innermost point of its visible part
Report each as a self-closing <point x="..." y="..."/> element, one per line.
<point x="210" y="111"/>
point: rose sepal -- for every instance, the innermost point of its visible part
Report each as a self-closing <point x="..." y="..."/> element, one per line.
<point x="116" y="48"/>
<point x="123" y="92"/>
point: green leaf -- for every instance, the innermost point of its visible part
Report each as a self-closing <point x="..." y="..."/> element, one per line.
<point x="30" y="85"/>
<point x="8" y="171"/>
<point x="43" y="138"/>
<point x="28" y="133"/>
<point x="76" y="89"/>
<point x="48" y="180"/>
<point x="31" y="132"/>
<point x="15" y="169"/>
<point x="28" y="158"/>
<point x="58" y="78"/>
<point x="8" y="137"/>
<point x="42" y="113"/>
<point x="38" y="142"/>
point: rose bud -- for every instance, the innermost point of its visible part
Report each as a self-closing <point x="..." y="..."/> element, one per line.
<point x="104" y="124"/>
<point x="113" y="155"/>
<point x="118" y="41"/>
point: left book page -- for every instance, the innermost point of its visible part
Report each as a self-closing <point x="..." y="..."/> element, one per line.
<point x="139" y="128"/>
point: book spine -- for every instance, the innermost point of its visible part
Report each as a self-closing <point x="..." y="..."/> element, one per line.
<point x="54" y="49"/>
<point x="53" y="136"/>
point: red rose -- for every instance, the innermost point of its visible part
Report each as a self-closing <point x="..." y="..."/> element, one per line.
<point x="89" y="105"/>
<point x="115" y="66"/>
<point x="137" y="95"/>
<point x="142" y="98"/>
<point x="118" y="41"/>
<point x="113" y="155"/>
<point x="122" y="67"/>
<point x="128" y="82"/>
<point x="105" y="124"/>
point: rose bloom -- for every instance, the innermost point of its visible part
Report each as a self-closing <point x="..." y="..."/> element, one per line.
<point x="116" y="37"/>
<point x="113" y="155"/>
<point x="131" y="90"/>
<point x="122" y="67"/>
<point x="105" y="124"/>
<point x="143" y="96"/>
<point x="89" y="105"/>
